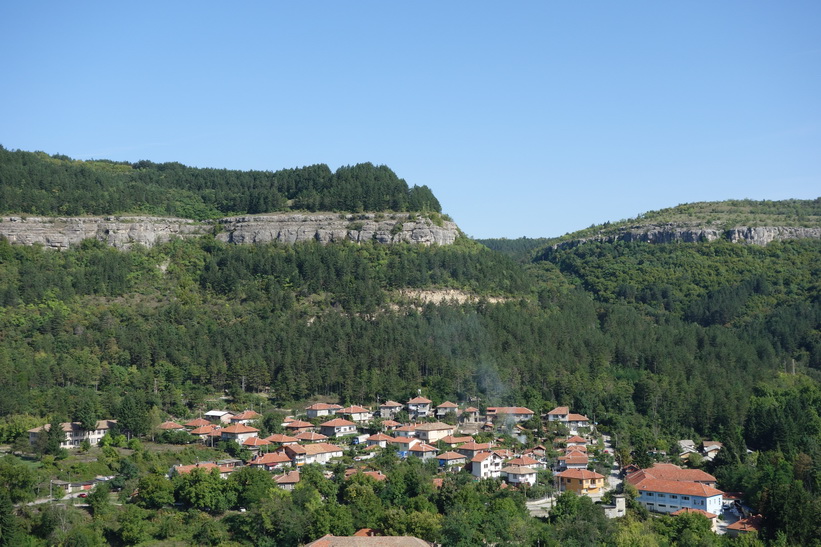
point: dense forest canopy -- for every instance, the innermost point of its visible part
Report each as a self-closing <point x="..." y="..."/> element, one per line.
<point x="40" y="184"/>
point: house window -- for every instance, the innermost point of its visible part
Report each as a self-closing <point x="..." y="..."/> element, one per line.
<point x="685" y="498"/>
<point x="675" y="497"/>
<point x="649" y="493"/>
<point x="661" y="495"/>
<point x="662" y="505"/>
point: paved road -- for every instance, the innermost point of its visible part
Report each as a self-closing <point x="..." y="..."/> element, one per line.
<point x="540" y="508"/>
<point x="614" y="480"/>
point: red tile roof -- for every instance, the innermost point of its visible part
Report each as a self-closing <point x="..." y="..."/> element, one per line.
<point x="321" y="448"/>
<point x="337" y="422"/>
<point x="204" y="430"/>
<point x="390" y="423"/>
<point x="239" y="428"/>
<point x="311" y="436"/>
<point x="496" y="410"/>
<point x="677" y="487"/>
<point x="197" y="422"/>
<point x="471" y="409"/>
<point x="583" y="474"/>
<point x="390" y="404"/>
<point x="749" y="524"/>
<point x="450" y="439"/>
<point x="271" y="458"/>
<point x="576" y="439"/>
<point x="281" y="439"/>
<point x="246" y="415"/>
<point x="423" y="447"/>
<point x="207" y="466"/>
<point x="670" y="472"/>
<point x="451" y="456"/>
<point x="298" y="424"/>
<point x="482" y="456"/>
<point x="473" y="446"/>
<point x="448" y="404"/>
<point x="354" y="410"/>
<point x="577" y="418"/>
<point x="170" y="425"/>
<point x="419" y="401"/>
<point x="323" y="406"/>
<point x="518" y="470"/>
<point x="380" y="437"/>
<point x="288" y="478"/>
<point x="559" y="411"/>
<point x="255" y="441"/>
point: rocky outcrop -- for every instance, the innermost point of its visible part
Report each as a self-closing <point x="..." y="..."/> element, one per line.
<point x="124" y="231"/>
<point x="329" y="227"/>
<point x="671" y="233"/>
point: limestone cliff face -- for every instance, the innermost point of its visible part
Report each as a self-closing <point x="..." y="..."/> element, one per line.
<point x="670" y="233"/>
<point x="123" y="232"/>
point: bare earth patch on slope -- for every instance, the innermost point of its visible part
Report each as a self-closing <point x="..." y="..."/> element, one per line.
<point x="445" y="296"/>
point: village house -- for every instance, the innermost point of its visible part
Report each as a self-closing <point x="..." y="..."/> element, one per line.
<point x="452" y="441"/>
<point x="501" y="414"/>
<point x="390" y="425"/>
<point x="203" y="431"/>
<point x="404" y="445"/>
<point x="443" y="409"/>
<point x="245" y="417"/>
<point x="170" y="426"/>
<point x="195" y="423"/>
<point x="577" y="421"/>
<point x="288" y="481"/>
<point x="218" y="416"/>
<point x="709" y="449"/>
<point x="519" y="474"/>
<point x="356" y="413"/>
<point x="271" y="461"/>
<point x="431" y="433"/>
<point x="320" y="453"/>
<point x="423" y="451"/>
<point x="317" y="410"/>
<point x="238" y="433"/>
<point x="573" y="459"/>
<point x="280" y="439"/>
<point x="581" y="481"/>
<point x="470" y="415"/>
<point x="207" y="467"/>
<point x="298" y="426"/>
<point x="668" y="471"/>
<point x="558" y="414"/>
<point x="486" y="465"/>
<point x="451" y="461"/>
<point x="74" y="434"/>
<point x="255" y="443"/>
<point x="668" y="496"/>
<point x="743" y="526"/>
<point x="574" y="441"/>
<point x="338" y="427"/>
<point x="527" y="461"/>
<point x="379" y="439"/>
<point x="408" y="430"/>
<point x="472" y="448"/>
<point x="419" y="407"/>
<point x="310" y="437"/>
<point x="389" y="409"/>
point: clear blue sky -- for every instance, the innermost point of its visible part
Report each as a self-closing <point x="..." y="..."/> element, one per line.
<point x="525" y="118"/>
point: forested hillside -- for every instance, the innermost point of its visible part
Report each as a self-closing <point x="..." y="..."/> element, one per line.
<point x="40" y="184"/>
<point x="654" y="342"/>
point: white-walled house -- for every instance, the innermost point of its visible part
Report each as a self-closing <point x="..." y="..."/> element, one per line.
<point x="665" y="496"/>
<point x="419" y="407"/>
<point x="338" y="427"/>
<point x="389" y="409"/>
<point x="238" y="433"/>
<point x="558" y="414"/>
<point x="519" y="474"/>
<point x="318" y="410"/>
<point x="431" y="433"/>
<point x="486" y="465"/>
<point x="443" y="409"/>
<point x="74" y="434"/>
<point x="513" y="413"/>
